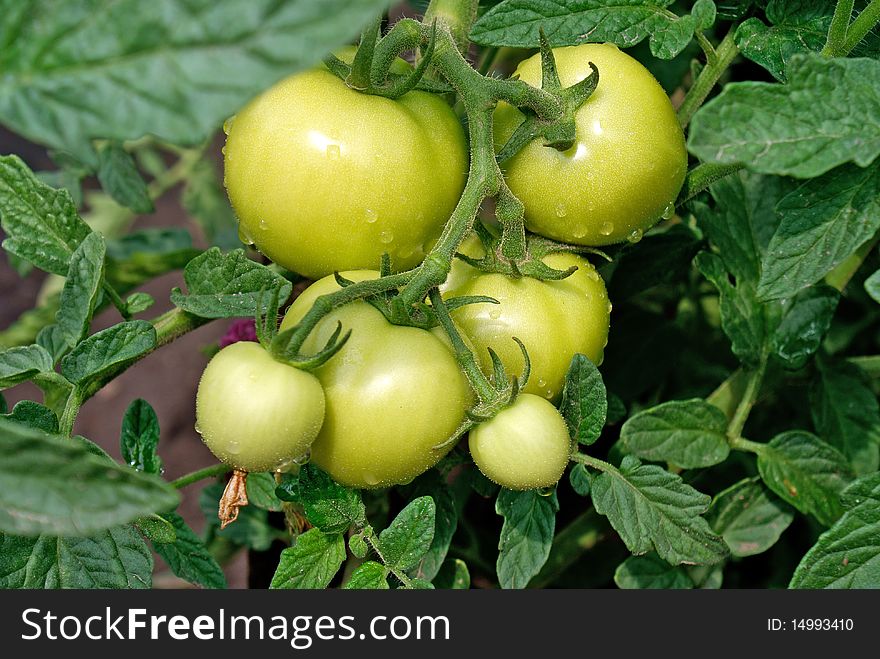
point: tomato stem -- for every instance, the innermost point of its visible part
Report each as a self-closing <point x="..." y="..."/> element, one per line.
<point x="201" y="474"/>
<point x="749" y="397"/>
<point x="711" y="73"/>
<point x="864" y="23"/>
<point x="837" y="30"/>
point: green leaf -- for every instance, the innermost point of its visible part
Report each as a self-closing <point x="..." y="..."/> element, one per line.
<point x="653" y="509"/>
<point x="846" y="414"/>
<point x="651" y="571"/>
<point x="433" y="485"/>
<point x="81" y="289"/>
<point x="848" y="554"/>
<point x="872" y="286"/>
<point x="800" y="129"/>
<point x="687" y="433"/>
<point x="584" y="400"/>
<point x="453" y="575"/>
<point x="143" y="255"/>
<point x="312" y="562"/>
<point x="251" y="529"/>
<point x="748" y="517"/>
<point x="139" y="302"/>
<point x="331" y="507"/>
<point x="409" y="536"/>
<point x="119" y="176"/>
<point x="205" y="199"/>
<point x="824" y="221"/>
<point x="807" y="473"/>
<point x="124" y="70"/>
<point x="56" y="486"/>
<point x="41" y="223"/>
<point x="657" y="259"/>
<point x="570" y="22"/>
<point x="34" y="415"/>
<point x="806" y="319"/>
<point x="526" y="535"/>
<point x="108" y="349"/>
<point x="358" y="545"/>
<point x="115" y="558"/>
<point x="226" y="285"/>
<point x="22" y="364"/>
<point x="188" y="557"/>
<point x="704" y="13"/>
<point x="156" y="529"/>
<point x="369" y="576"/>
<point x="579" y="478"/>
<point x="51" y="338"/>
<point x="140" y="437"/>
<point x="261" y="492"/>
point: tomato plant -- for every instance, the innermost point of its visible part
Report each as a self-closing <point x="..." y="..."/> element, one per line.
<point x="392" y="326"/>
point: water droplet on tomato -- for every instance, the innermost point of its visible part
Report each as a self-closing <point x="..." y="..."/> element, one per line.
<point x="227" y="125"/>
<point x="546" y="491"/>
<point x="244" y="236"/>
<point x="580" y="231"/>
<point x="371" y="216"/>
<point x="669" y="211"/>
<point x="606" y="229"/>
<point x="386" y="237"/>
<point x="233" y="448"/>
<point x="592" y="274"/>
<point x="303" y="459"/>
<point x="263" y="225"/>
<point x="197" y="428"/>
<point x="609" y="306"/>
<point x="495" y="312"/>
<point x="542" y="382"/>
<point x="561" y="210"/>
<point x="635" y="235"/>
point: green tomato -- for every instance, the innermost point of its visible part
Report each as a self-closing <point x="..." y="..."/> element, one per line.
<point x="628" y="162"/>
<point x="524" y="447"/>
<point x="324" y="178"/>
<point x="393" y="393"/>
<point x="554" y="319"/>
<point x="254" y="412"/>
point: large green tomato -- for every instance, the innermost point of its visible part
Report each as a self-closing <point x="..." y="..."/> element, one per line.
<point x="324" y="178"/>
<point x="254" y="412"/>
<point x="393" y="393"/>
<point x="524" y="447"/>
<point x="554" y="319"/>
<point x="628" y="162"/>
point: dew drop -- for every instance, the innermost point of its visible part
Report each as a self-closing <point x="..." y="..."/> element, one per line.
<point x="333" y="151"/>
<point x="263" y="225"/>
<point x="244" y="236"/>
<point x="609" y="306"/>
<point x="405" y="252"/>
<point x="227" y="125"/>
<point x="592" y="274"/>
<point x="386" y="237"/>
<point x="549" y="394"/>
<point x="606" y="229"/>
<point x="370" y="479"/>
<point x="561" y="210"/>
<point x="233" y="448"/>
<point x="635" y="235"/>
<point x="303" y="459"/>
<point x="542" y="382"/>
<point x="546" y="491"/>
<point x="580" y="231"/>
<point x="495" y="312"/>
<point x="371" y="216"/>
<point x="197" y="428"/>
<point x="669" y="211"/>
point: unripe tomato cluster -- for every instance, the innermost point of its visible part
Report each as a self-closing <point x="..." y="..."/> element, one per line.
<point x="326" y="179"/>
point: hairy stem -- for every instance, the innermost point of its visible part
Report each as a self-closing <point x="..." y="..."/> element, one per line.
<point x="201" y="474"/>
<point x="457" y="15"/>
<point x="860" y="27"/>
<point x="701" y="177"/>
<point x="709" y="76"/>
<point x="838" y="28"/>
<point x="839" y="277"/>
<point x="750" y="395"/>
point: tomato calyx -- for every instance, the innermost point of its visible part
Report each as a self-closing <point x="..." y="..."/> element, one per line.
<point x="559" y="133"/>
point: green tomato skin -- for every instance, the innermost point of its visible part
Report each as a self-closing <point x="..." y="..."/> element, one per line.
<point x="255" y="413"/>
<point x="554" y="319"/>
<point x="393" y="393"/>
<point x="324" y="178"/>
<point x="628" y="162"/>
<point x="524" y="447"/>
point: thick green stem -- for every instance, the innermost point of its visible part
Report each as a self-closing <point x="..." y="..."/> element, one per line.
<point x="709" y="76"/>
<point x="860" y="27"/>
<point x="201" y="474"/>
<point x="750" y="395"/>
<point x="457" y="15"/>
<point x="839" y="277"/>
<point x="837" y="29"/>
<point x="595" y="463"/>
<point x="701" y="177"/>
<point x="71" y="410"/>
<point x="742" y="444"/>
<point x="465" y="356"/>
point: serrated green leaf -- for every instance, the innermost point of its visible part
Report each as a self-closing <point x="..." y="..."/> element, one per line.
<point x="580" y="480"/>
<point x="140" y="437"/>
<point x="121" y="179"/>
<point x="526" y="535"/>
<point x="806" y="318"/>
<point x="651" y="571"/>
<point x="358" y="545"/>
<point x="81" y="289"/>
<point x="156" y="529"/>
<point x="453" y="575"/>
<point x="569" y="22"/>
<point x="773" y="46"/>
<point x="688" y="433"/>
<point x="52" y="485"/>
<point x="652" y="508"/>
<point x="824" y="221"/>
<point x="798" y="129"/>
<point x="34" y="415"/>
<point x="846" y="413"/>
<point x="331" y="507"/>
<point x="584" y="400"/>
<point x="251" y="529"/>
<point x="807" y="473"/>
<point x="108" y="349"/>
<point x="41" y="223"/>
<point x="226" y="285"/>
<point x="848" y="554"/>
<point x="748" y="517"/>
<point x="22" y="363"/>
<point x="369" y="576"/>
<point x="261" y="491"/>
<point x="409" y="536"/>
<point x="152" y="70"/>
<point x="188" y="557"/>
<point x="312" y="562"/>
<point x="115" y="558"/>
<point x="433" y="485"/>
